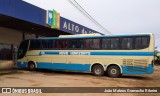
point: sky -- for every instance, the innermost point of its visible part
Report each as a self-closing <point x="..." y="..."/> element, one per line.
<point x="117" y="16"/>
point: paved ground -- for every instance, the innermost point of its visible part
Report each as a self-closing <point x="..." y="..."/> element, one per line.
<point x="24" y="78"/>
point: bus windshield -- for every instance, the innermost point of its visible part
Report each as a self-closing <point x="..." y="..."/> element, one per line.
<point x="22" y="49"/>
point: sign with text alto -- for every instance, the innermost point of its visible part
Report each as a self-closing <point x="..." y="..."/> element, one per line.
<point x="74" y="28"/>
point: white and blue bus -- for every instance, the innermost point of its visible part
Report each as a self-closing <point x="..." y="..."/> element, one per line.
<point x="114" y="54"/>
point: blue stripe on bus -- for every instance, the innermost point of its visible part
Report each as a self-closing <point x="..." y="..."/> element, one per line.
<point x="124" y="53"/>
<point x="51" y="52"/>
<point x="138" y="70"/>
<point x="64" y="66"/>
<point x="105" y="53"/>
<point x="85" y="67"/>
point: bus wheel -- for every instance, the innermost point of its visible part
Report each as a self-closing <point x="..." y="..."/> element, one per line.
<point x="113" y="71"/>
<point x="98" y="70"/>
<point x="31" y="66"/>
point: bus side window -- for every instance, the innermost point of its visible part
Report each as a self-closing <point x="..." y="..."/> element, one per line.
<point x="88" y="44"/>
<point x="96" y="43"/>
<point x="64" y="44"/>
<point x="32" y="45"/>
<point x="130" y="43"/>
<point x="114" y="43"/>
<point x="75" y="44"/>
<point x="61" y="44"/>
<point x="57" y="44"/>
<point x="138" y="42"/>
<point x="127" y="43"/>
<point x="44" y="44"/>
<point x="79" y="43"/>
<point x="72" y="44"/>
<point x="145" y="42"/>
<point x="38" y="45"/>
<point x="51" y="44"/>
<point x="106" y="43"/>
<point x="35" y="45"/>
<point x="141" y="42"/>
<point x="124" y="43"/>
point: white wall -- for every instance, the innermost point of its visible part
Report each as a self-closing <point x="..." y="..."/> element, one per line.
<point x="66" y="10"/>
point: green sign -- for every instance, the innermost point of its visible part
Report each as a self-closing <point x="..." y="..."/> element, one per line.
<point x="54" y="20"/>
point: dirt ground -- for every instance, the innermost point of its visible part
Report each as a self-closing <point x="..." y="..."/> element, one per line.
<point x="41" y="78"/>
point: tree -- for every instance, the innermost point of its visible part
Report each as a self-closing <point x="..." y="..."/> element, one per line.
<point x="156" y="53"/>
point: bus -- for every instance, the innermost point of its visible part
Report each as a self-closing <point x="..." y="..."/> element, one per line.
<point x="113" y="55"/>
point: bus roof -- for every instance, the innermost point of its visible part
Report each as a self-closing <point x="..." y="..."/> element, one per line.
<point x="95" y="36"/>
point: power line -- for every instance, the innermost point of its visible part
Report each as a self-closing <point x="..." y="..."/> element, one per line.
<point x="89" y="16"/>
<point x="82" y="10"/>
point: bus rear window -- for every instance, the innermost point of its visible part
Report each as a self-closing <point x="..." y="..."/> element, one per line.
<point x="141" y="42"/>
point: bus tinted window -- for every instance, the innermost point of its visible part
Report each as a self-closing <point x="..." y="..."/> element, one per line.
<point x="141" y="42"/>
<point x="51" y="44"/>
<point x="96" y="43"/>
<point x="79" y="44"/>
<point x="35" y="45"/>
<point x="88" y="44"/>
<point x="48" y="44"/>
<point x="44" y="44"/>
<point x="75" y="43"/>
<point x="32" y="45"/>
<point x="127" y="43"/>
<point x="114" y="43"/>
<point x="92" y="43"/>
<point x="145" y="41"/>
<point x="106" y="43"/>
<point x="38" y="44"/>
<point x="138" y="42"/>
<point x="61" y="44"/>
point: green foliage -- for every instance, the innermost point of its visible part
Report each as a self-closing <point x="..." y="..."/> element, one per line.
<point x="156" y="53"/>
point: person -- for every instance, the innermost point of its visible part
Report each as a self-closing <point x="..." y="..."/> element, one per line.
<point x="15" y="51"/>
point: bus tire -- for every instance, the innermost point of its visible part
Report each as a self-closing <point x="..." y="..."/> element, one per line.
<point x="98" y="70"/>
<point x="31" y="66"/>
<point x="113" y="71"/>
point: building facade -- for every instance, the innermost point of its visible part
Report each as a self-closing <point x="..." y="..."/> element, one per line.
<point x="20" y="20"/>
